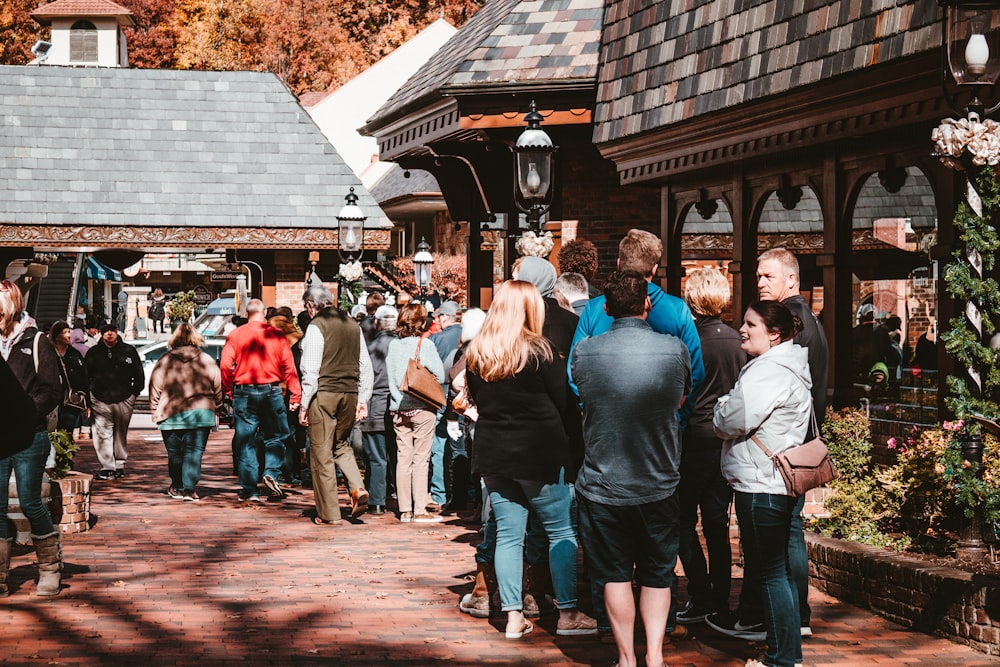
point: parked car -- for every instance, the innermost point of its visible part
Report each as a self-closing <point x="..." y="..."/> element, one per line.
<point x="218" y="313"/>
<point x="151" y="353"/>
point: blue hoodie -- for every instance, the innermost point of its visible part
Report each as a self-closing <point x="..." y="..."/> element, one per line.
<point x="669" y="315"/>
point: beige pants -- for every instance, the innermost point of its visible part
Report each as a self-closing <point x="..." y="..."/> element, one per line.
<point x="414" y="436"/>
<point x="331" y="418"/>
<point x="110" y="423"/>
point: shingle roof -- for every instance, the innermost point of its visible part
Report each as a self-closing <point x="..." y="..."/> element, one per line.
<point x="508" y="41"/>
<point x="122" y="147"/>
<point x="395" y="184"/>
<point x="80" y="9"/>
<point x="664" y="62"/>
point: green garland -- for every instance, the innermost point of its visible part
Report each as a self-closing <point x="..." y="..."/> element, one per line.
<point x="962" y="341"/>
<point x="973" y="490"/>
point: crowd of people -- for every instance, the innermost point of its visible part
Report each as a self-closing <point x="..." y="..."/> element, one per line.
<point x="610" y="421"/>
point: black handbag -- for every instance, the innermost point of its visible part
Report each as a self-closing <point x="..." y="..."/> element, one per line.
<point x="74" y="398"/>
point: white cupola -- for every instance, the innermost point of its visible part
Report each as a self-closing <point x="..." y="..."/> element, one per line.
<point x="85" y="33"/>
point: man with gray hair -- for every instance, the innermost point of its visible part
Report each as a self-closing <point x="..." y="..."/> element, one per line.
<point x="571" y="291"/>
<point x="256" y="360"/>
<point x="336" y="385"/>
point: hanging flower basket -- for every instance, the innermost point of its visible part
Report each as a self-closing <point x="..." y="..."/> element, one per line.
<point x="533" y="245"/>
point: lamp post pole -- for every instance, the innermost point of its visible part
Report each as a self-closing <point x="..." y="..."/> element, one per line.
<point x="970" y="46"/>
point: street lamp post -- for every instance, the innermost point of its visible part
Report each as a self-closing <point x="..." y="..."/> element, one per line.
<point x="533" y="170"/>
<point x="970" y="48"/>
<point x="351" y="227"/>
<point x="423" y="262"/>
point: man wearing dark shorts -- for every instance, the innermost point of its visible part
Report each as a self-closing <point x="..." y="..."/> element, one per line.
<point x="632" y="381"/>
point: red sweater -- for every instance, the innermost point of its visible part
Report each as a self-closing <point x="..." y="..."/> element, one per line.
<point x="257" y="353"/>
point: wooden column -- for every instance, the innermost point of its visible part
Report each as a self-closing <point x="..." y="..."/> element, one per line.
<point x="743" y="266"/>
<point x="671" y="269"/>
<point x="835" y="262"/>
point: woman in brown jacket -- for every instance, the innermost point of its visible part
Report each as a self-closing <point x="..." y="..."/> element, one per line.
<point x="185" y="390"/>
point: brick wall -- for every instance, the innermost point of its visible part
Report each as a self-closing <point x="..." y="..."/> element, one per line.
<point x="591" y="194"/>
<point x="914" y="593"/>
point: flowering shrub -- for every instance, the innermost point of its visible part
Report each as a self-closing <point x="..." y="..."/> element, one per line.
<point x="934" y="489"/>
<point x="351" y="271"/>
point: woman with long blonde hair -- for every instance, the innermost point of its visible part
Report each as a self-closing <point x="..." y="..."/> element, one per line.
<point x="519" y="387"/>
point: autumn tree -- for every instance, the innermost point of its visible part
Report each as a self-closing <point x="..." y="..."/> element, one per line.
<point x="152" y="43"/>
<point x="18" y="31"/>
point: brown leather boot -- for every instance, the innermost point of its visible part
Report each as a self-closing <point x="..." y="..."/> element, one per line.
<point x="5" y="547"/>
<point x="48" y="549"/>
<point x="536" y="600"/>
<point x="477" y="603"/>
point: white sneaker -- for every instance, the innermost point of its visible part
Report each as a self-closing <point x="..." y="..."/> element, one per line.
<point x="427" y="518"/>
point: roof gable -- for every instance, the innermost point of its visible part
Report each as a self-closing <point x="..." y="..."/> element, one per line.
<point x="506" y="42"/>
<point x="667" y="61"/>
<point x="82" y="9"/>
<point x="165" y="148"/>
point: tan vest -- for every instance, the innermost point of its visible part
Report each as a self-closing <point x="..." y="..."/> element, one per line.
<point x="340" y="368"/>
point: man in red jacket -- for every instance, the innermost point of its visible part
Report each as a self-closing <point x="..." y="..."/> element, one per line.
<point x="256" y="360"/>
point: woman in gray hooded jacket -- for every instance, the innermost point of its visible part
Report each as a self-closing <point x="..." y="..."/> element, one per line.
<point x="772" y="401"/>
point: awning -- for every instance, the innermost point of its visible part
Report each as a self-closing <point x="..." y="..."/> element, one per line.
<point x="98" y="271"/>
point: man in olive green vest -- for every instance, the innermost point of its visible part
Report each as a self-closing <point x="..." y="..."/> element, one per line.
<point x="337" y="382"/>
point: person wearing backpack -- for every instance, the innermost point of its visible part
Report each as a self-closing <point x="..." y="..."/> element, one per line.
<point x="32" y="360"/>
<point x="158" y="310"/>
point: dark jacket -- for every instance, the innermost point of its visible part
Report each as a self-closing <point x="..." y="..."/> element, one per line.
<point x="44" y="386"/>
<point x="723" y="358"/>
<point x="520" y="432"/>
<point x="76" y="371"/>
<point x="17" y="413"/>
<point x="559" y="327"/>
<point x="378" y="404"/>
<point x="813" y="338"/>
<point x="115" y="373"/>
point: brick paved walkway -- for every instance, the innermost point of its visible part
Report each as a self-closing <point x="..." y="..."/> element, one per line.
<point x="164" y="582"/>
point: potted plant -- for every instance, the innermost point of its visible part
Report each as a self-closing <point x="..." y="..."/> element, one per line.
<point x="181" y="308"/>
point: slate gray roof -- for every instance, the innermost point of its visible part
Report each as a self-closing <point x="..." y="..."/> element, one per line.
<point x="661" y="64"/>
<point x="123" y="147"/>
<point x="505" y="42"/>
<point x="395" y="184"/>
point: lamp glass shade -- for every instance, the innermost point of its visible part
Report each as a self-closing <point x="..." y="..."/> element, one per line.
<point x="972" y="34"/>
<point x="423" y="262"/>
<point x="534" y="174"/>
<point x="351" y="233"/>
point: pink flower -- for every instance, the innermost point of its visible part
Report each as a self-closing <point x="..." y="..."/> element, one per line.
<point x="891" y="443"/>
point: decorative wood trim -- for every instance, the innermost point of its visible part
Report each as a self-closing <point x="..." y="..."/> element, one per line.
<point x="84" y="236"/>
<point x="714" y="246"/>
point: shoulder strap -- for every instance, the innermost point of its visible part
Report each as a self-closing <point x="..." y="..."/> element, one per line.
<point x="767" y="452"/>
<point x="416" y="355"/>
<point x="34" y="350"/>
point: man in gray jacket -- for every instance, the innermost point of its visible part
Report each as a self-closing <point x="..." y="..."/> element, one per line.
<point x="632" y="381"/>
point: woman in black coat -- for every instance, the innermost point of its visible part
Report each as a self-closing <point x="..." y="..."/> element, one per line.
<point x="74" y="376"/>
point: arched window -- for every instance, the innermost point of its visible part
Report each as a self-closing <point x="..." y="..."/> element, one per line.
<point x="83" y="42"/>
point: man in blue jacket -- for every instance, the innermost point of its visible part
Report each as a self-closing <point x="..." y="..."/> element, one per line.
<point x="641" y="251"/>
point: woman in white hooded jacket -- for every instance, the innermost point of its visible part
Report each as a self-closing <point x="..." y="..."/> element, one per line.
<point x="772" y="401"/>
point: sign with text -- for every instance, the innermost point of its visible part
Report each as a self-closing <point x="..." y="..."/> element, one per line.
<point x="225" y="276"/>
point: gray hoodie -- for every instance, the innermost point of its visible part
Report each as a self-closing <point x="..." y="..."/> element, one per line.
<point x="771" y="400"/>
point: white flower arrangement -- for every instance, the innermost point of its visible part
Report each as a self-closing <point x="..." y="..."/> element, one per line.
<point x="534" y="245"/>
<point x="351" y="271"/>
<point x="980" y="138"/>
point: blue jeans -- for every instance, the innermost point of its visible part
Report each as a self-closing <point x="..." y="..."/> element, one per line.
<point x="512" y="500"/>
<point x="749" y="610"/>
<point x="765" y="528"/>
<point x="258" y="407"/>
<point x="185" y="447"/>
<point x="377" y="458"/>
<point x="28" y="466"/>
<point x="439" y="493"/>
